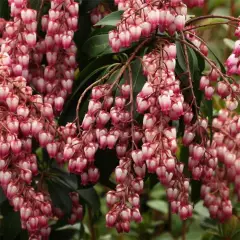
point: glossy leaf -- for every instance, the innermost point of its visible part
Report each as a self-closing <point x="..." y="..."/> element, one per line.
<point x="176" y="226"/>
<point x="201" y="210"/>
<point x="85" y="78"/>
<point x="180" y="56"/>
<point x="59" y="194"/>
<point x="111" y="19"/>
<point x="96" y="45"/>
<point x="102" y="30"/>
<point x="91" y="197"/>
<point x="137" y="76"/>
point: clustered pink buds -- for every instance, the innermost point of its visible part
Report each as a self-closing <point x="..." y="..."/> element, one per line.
<point x="161" y="101"/>
<point x="212" y="83"/>
<point x="28" y="117"/>
<point x="77" y="209"/>
<point x="29" y="63"/>
<point x="215" y="163"/>
<point x="142" y="18"/>
<point x="191" y="35"/>
<point x="55" y="80"/>
<point x="224" y="149"/>
<point x="18" y="39"/>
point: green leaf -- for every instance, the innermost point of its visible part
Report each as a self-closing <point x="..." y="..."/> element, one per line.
<point x="180" y="56"/>
<point x="176" y="226"/>
<point x="111" y="19"/>
<point x="67" y="179"/>
<point x="86" y="71"/>
<point x="95" y="45"/>
<point x="85" y="78"/>
<point x="91" y="197"/>
<point x="137" y="76"/>
<point x="211" y="236"/>
<point x="11" y="225"/>
<point x="236" y="236"/>
<point x="230" y="227"/>
<point x="201" y="210"/>
<point x="157" y="191"/>
<point x="195" y="232"/>
<point x="196" y="65"/>
<point x="184" y="155"/>
<point x="158" y="205"/>
<point x="164" y="236"/>
<point x="102" y="30"/>
<point x="59" y="194"/>
<point x="138" y="81"/>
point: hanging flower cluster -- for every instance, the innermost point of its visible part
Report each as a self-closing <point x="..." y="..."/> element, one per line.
<point x="161" y="101"/>
<point x="142" y="18"/>
<point x="28" y="117"/>
<point x="36" y="77"/>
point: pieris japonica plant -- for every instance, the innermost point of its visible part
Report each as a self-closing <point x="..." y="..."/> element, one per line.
<point x="134" y="103"/>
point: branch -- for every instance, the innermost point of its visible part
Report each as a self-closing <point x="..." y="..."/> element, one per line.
<point x="208" y="25"/>
<point x="208" y="61"/>
<point x="108" y="74"/>
<point x="131" y="102"/>
<point x="86" y="90"/>
<point x="189" y="75"/>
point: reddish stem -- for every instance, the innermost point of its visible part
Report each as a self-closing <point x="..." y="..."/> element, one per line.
<point x="196" y="19"/>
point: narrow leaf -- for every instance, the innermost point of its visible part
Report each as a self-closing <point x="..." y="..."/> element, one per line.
<point x="180" y="56"/>
<point x="90" y="196"/>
